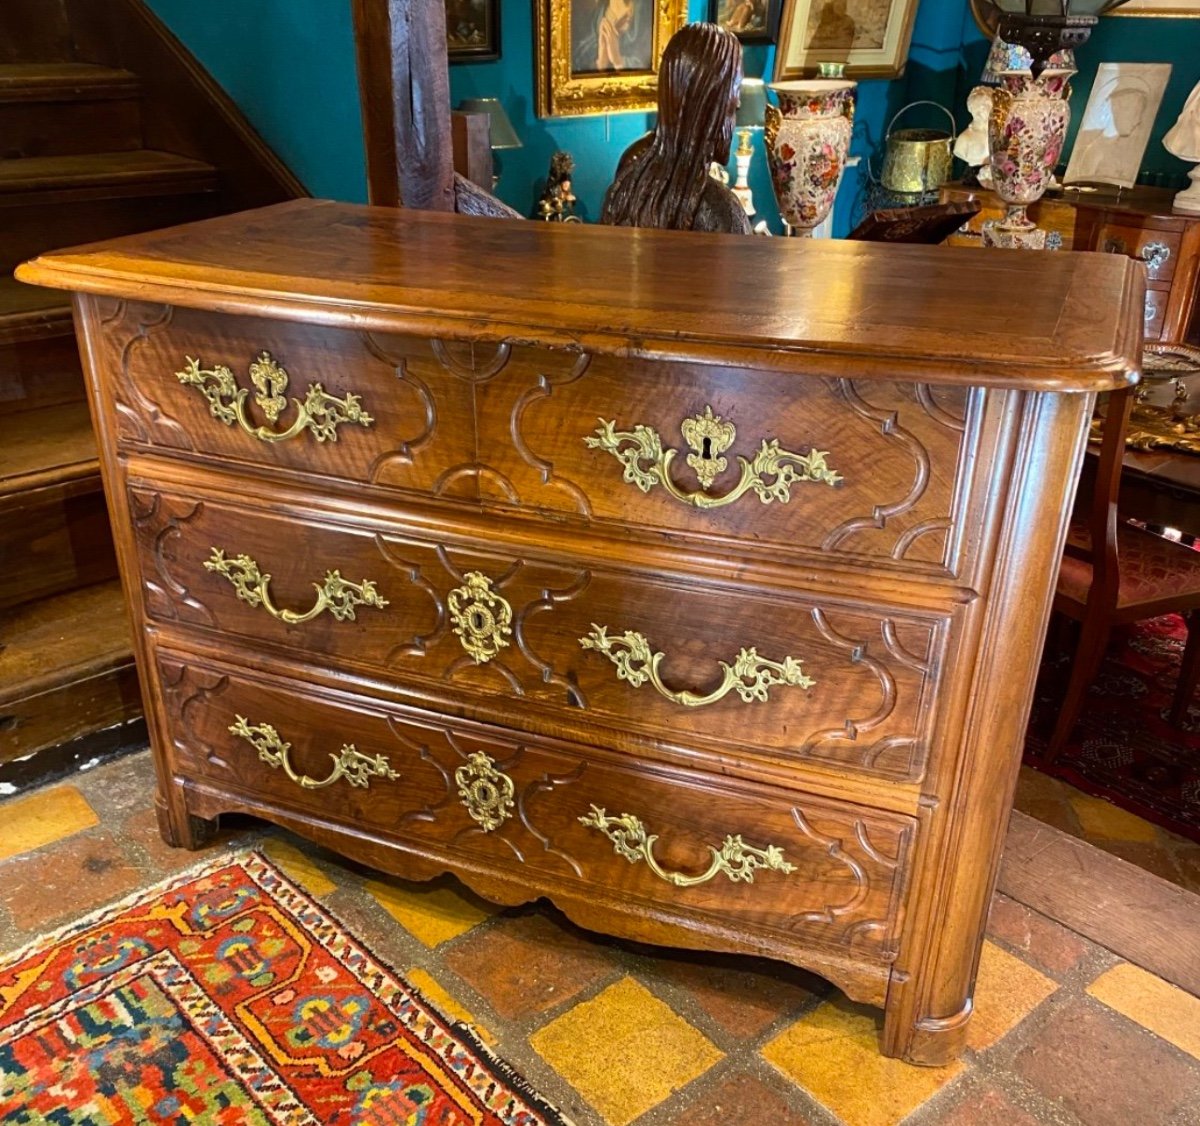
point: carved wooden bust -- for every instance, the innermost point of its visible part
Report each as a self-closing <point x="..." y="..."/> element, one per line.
<point x="662" y="179"/>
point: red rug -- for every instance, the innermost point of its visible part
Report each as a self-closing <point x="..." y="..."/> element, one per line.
<point x="1123" y="748"/>
<point x="227" y="996"/>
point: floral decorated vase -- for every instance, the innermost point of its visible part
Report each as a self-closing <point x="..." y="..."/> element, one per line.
<point x="808" y="137"/>
<point x="1026" y="134"/>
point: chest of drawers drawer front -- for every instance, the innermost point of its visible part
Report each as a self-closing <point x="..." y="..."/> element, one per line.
<point x="875" y="471"/>
<point x="791" y="864"/>
<point x="785" y="676"/>
<point x="1158" y="249"/>
<point x="356" y="406"/>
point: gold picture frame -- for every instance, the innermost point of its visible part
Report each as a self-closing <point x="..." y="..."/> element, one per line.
<point x="1159" y="9"/>
<point x="582" y="44"/>
<point x="870" y="38"/>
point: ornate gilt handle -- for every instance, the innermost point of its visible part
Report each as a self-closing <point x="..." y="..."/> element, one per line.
<point x="318" y="412"/>
<point x="358" y="769"/>
<point x="750" y="675"/>
<point x="735" y="859"/>
<point x="770" y="474"/>
<point x="335" y="594"/>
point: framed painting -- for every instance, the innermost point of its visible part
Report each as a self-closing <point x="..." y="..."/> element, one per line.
<point x="752" y="21"/>
<point x="473" y="30"/>
<point x="870" y="37"/>
<point x="1164" y="9"/>
<point x="601" y="56"/>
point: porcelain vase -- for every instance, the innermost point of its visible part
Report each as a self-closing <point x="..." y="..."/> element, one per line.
<point x="807" y="139"/>
<point x="1026" y="134"/>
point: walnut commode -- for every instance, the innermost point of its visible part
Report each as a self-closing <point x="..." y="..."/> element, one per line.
<point x="695" y="583"/>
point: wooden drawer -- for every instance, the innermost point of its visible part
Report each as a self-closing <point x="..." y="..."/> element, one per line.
<point x="786" y="863"/>
<point x="1158" y="249"/>
<point x="748" y="460"/>
<point x="418" y="411"/>
<point x="844" y="471"/>
<point x="657" y="654"/>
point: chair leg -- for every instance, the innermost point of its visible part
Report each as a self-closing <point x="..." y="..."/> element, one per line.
<point x="1089" y="653"/>
<point x="1189" y="669"/>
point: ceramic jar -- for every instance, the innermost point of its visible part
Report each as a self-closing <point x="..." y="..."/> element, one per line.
<point x="808" y="137"/>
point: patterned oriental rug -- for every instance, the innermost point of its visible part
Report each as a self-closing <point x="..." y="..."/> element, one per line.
<point x="1123" y="748"/>
<point x="225" y="996"/>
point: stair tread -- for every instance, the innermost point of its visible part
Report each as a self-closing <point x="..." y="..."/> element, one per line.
<point x="61" y="640"/>
<point x="105" y="169"/>
<point x="31" y="312"/>
<point x="46" y="446"/>
<point x="65" y="82"/>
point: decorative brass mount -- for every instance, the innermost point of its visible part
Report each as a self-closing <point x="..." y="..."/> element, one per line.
<point x="319" y="412"/>
<point x="485" y="791"/>
<point x="335" y="594"/>
<point x="482" y="618"/>
<point x="735" y="859"/>
<point x="349" y="763"/>
<point x="750" y="675"/>
<point x="770" y="473"/>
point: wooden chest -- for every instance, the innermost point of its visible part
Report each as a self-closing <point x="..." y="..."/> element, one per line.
<point x="695" y="583"/>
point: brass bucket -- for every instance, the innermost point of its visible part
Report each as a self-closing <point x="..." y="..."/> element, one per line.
<point x="918" y="160"/>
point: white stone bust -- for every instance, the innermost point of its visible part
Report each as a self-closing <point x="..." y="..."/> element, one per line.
<point x="972" y="143"/>
<point x="1183" y="139"/>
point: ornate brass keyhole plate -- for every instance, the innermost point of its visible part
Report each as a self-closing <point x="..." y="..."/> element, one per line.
<point x="485" y="791"/>
<point x="482" y="618"/>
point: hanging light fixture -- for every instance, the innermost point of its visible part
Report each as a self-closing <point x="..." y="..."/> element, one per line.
<point x="1041" y="27"/>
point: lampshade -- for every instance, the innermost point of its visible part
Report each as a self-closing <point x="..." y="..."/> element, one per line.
<point x="752" y="110"/>
<point x="501" y="131"/>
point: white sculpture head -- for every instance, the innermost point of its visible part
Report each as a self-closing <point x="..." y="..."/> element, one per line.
<point x="972" y="142"/>
<point x="1183" y="139"/>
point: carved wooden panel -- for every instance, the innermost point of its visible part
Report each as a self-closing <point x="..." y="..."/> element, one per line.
<point x="384" y="410"/>
<point x="378" y="599"/>
<point x="839" y="878"/>
<point x="902" y="454"/>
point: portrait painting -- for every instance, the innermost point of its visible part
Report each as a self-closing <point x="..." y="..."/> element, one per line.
<point x="611" y="36"/>
<point x="1115" y="128"/>
<point x="752" y="21"/>
<point x="601" y="56"/>
<point x="869" y="37"/>
<point x="473" y="30"/>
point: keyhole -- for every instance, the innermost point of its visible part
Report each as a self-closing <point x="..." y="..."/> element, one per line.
<point x="477" y="621"/>
<point x="706" y="452"/>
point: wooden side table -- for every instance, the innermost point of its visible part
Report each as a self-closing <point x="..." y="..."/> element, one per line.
<point x="1140" y="224"/>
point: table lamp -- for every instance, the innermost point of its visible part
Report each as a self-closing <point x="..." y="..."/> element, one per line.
<point x="751" y="113"/>
<point x="1183" y="141"/>
<point x="500" y="130"/>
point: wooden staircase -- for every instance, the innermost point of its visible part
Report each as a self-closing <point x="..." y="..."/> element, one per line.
<point x="88" y="150"/>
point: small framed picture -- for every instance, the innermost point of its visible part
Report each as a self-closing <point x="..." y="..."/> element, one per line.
<point x="870" y="37"/>
<point x="473" y="30"/>
<point x="752" y="21"/>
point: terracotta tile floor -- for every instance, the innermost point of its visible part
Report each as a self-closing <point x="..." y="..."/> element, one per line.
<point x="1065" y="1032"/>
<point x="1104" y="825"/>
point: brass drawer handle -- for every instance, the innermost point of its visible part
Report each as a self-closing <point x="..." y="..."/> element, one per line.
<point x="735" y="859"/>
<point x="637" y="663"/>
<point x="770" y="473"/>
<point x="349" y="763"/>
<point x="319" y="411"/>
<point x="335" y="594"/>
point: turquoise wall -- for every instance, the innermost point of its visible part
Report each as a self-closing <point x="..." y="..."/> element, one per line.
<point x="290" y="65"/>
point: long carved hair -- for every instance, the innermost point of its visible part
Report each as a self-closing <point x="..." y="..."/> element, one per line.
<point x="660" y="183"/>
